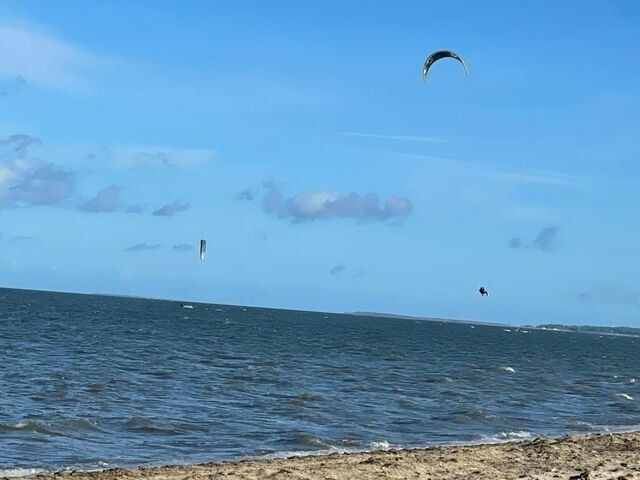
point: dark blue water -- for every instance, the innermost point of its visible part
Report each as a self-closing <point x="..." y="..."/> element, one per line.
<point x="93" y="381"/>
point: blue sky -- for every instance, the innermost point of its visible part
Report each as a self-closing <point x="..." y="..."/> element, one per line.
<point x="299" y="140"/>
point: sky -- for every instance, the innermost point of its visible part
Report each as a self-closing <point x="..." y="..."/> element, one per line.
<point x="299" y="140"/>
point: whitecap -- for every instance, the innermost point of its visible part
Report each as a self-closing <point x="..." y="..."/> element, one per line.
<point x="508" y="369"/>
<point x="383" y="445"/>
<point x="515" y="435"/>
<point x="624" y="396"/>
<point x="632" y="380"/>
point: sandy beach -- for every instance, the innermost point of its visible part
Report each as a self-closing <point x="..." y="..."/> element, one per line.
<point x="592" y="457"/>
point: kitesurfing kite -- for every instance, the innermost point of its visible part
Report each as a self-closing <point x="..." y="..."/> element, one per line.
<point x="435" y="56"/>
<point x="203" y="248"/>
<point x="483" y="292"/>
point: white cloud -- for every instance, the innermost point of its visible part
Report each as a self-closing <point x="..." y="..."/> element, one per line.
<point x="324" y="204"/>
<point x="26" y="180"/>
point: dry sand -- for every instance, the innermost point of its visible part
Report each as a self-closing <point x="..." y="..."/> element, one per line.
<point x="594" y="457"/>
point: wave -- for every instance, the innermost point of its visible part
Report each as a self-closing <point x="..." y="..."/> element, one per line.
<point x="624" y="396"/>
<point x="305" y="398"/>
<point x="149" y="425"/>
<point x="30" y="426"/>
<point x="50" y="428"/>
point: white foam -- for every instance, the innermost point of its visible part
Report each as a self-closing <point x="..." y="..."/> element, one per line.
<point x="507" y="330"/>
<point x="632" y="380"/>
<point x="508" y="369"/>
<point x="384" y="445"/>
<point x="515" y="435"/>
<point x="371" y="447"/>
<point x="21" y="472"/>
<point x="624" y="396"/>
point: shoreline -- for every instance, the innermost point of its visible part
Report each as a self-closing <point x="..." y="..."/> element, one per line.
<point x="590" y="456"/>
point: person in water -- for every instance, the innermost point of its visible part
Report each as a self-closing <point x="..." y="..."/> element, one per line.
<point x="483" y="292"/>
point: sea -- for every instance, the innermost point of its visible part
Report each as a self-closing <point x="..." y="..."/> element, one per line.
<point x="93" y="382"/>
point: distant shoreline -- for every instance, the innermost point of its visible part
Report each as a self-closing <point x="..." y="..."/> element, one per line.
<point x="602" y="456"/>
<point x="429" y="319"/>
<point x="590" y="329"/>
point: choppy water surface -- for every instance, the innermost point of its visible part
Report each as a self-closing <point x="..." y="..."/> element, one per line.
<point x="91" y="382"/>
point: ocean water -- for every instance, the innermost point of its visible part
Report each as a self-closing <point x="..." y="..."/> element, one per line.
<point x="94" y="382"/>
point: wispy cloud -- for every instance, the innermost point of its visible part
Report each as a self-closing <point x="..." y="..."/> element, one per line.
<point x="546" y="240"/>
<point x="247" y="195"/>
<point x="324" y="205"/>
<point x="184" y="247"/>
<point x="21" y="239"/>
<point x="337" y="269"/>
<point x="134" y="209"/>
<point x="17" y="145"/>
<point x="409" y="138"/>
<point x="11" y="86"/>
<point x="25" y="180"/>
<point x="42" y="59"/>
<point x="139" y="158"/>
<point x="171" y="209"/>
<point x="106" y="200"/>
<point x="617" y="295"/>
<point x="538" y="176"/>
<point x="360" y="272"/>
<point x="141" y="247"/>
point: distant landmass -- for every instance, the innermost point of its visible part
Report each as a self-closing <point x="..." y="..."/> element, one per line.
<point x="428" y="319"/>
<point x="627" y="331"/>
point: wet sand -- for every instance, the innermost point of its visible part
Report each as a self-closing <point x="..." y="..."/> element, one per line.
<point x="592" y="457"/>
